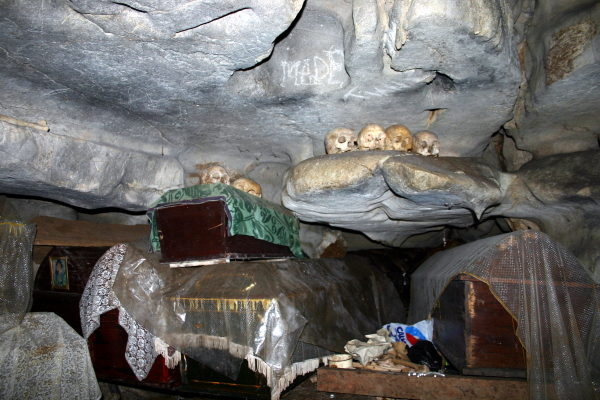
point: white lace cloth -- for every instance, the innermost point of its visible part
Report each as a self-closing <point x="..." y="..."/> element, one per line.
<point x="98" y="298"/>
<point x="44" y="358"/>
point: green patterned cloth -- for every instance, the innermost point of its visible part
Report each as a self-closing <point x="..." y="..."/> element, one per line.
<point x="248" y="215"/>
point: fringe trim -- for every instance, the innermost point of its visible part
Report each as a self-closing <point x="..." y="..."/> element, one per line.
<point x="212" y="342"/>
<point x="276" y="381"/>
<point x="171" y="361"/>
<point x="279" y="383"/>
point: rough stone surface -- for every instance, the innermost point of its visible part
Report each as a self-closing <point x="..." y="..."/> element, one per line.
<point x="561" y="195"/>
<point x="391" y="197"/>
<point x="53" y="166"/>
<point x="172" y="85"/>
<point x="556" y="111"/>
<point x="140" y="95"/>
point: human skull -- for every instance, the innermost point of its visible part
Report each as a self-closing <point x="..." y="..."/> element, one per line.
<point x="214" y="174"/>
<point x="248" y="186"/>
<point x="371" y="137"/>
<point x="426" y="143"/>
<point x="340" y="140"/>
<point x="398" y="137"/>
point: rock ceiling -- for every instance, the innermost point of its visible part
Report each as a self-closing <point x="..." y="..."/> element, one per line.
<point x="138" y="95"/>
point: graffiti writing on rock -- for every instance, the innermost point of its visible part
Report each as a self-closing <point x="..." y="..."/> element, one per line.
<point x="319" y="70"/>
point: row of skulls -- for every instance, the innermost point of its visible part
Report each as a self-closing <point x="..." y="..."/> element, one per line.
<point x="218" y="174"/>
<point x="374" y="137"/>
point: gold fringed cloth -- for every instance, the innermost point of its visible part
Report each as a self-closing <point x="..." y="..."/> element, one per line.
<point x="542" y="285"/>
<point x="284" y="317"/>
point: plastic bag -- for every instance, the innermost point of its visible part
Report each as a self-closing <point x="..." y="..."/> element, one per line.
<point x="410" y="334"/>
<point x="424" y="352"/>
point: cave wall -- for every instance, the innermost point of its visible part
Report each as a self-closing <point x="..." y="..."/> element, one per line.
<point x="139" y="95"/>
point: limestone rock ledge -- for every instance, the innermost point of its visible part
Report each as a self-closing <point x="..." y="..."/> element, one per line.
<point x="80" y="172"/>
<point x="391" y="196"/>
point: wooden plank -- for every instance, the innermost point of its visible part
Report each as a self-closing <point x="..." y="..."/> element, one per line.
<point x="61" y="232"/>
<point x="40" y="252"/>
<point x="400" y="385"/>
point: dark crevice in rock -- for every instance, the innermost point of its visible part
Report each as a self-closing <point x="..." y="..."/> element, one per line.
<point x="51" y="203"/>
<point x="290" y="28"/>
<point x="278" y="40"/>
<point x="443" y="82"/>
<point x="213" y="20"/>
<point x="131" y="7"/>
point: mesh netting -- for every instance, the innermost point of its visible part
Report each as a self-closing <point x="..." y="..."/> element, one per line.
<point x="16" y="269"/>
<point x="40" y="355"/>
<point x="546" y="290"/>
<point x="44" y="358"/>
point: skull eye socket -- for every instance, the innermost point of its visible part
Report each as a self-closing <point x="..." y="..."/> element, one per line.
<point x="342" y="139"/>
<point x="216" y="175"/>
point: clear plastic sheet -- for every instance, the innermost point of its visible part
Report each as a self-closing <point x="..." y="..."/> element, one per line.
<point x="281" y="316"/>
<point x="7" y="211"/>
<point x="40" y="355"/>
<point x="98" y="298"/>
<point x="547" y="291"/>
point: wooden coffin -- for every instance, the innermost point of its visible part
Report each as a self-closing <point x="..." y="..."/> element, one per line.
<point x="107" y="350"/>
<point x="198" y="378"/>
<point x="475" y="332"/>
<point x="50" y="295"/>
<point x="107" y="343"/>
<point x="196" y="234"/>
